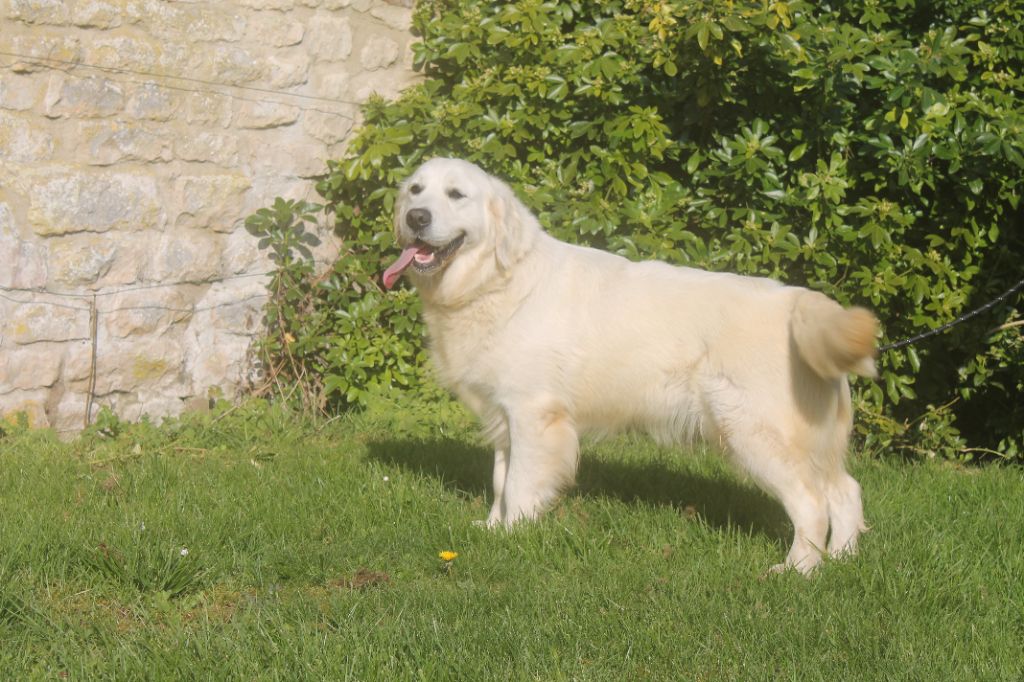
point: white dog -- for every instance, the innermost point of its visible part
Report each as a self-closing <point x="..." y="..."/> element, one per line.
<point x="545" y="341"/>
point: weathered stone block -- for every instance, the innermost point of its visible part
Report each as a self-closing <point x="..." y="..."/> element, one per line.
<point x="97" y="261"/>
<point x="78" y="366"/>
<point x="332" y="82"/>
<point x="83" y="97"/>
<point x="379" y="52"/>
<point x="283" y="5"/>
<point x="101" y="14"/>
<point x="358" y="5"/>
<point x="30" y="403"/>
<point x="240" y="253"/>
<point x="398" y="18"/>
<point x="328" y="128"/>
<point x="367" y="83"/>
<point x="128" y="365"/>
<point x="165" y="20"/>
<point x="159" y="405"/>
<point x="81" y="259"/>
<point x="18" y="92"/>
<point x="296" y="159"/>
<point x="274" y="30"/>
<point x="125" y="52"/>
<point x="210" y="201"/>
<point x="207" y="109"/>
<point x="187" y="255"/>
<point x="207" y="147"/>
<point x="233" y="306"/>
<point x="68" y="415"/>
<point x="233" y="66"/>
<point x="288" y="71"/>
<point x="152" y="102"/>
<point x="117" y="143"/>
<point x="177" y="58"/>
<point x="64" y="201"/>
<point x="144" y="312"/>
<point x="206" y="25"/>
<point x="262" y="115"/>
<point x="329" y="38"/>
<point x="31" y="323"/>
<point x="23" y="140"/>
<point x="54" y="12"/>
<point x="43" y="52"/>
<point x="24" y="262"/>
<point x="217" y="339"/>
<point x="28" y="367"/>
<point x="133" y="248"/>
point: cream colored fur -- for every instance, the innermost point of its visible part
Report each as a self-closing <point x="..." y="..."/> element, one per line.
<point x="546" y="341"/>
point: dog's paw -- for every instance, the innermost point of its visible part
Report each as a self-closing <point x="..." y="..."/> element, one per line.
<point x="776" y="570"/>
<point x="806" y="570"/>
<point x="491" y="522"/>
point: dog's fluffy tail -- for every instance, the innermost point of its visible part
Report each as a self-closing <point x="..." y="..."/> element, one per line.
<point x="834" y="340"/>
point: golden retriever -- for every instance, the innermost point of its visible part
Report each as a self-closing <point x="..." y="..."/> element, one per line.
<point x="546" y="341"/>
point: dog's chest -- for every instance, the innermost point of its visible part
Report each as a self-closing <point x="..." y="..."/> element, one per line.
<point x="462" y="345"/>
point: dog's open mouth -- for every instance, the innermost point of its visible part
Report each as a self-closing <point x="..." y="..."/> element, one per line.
<point x="423" y="257"/>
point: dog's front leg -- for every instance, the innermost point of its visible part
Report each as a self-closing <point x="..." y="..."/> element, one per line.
<point x="497" y="514"/>
<point x="541" y="462"/>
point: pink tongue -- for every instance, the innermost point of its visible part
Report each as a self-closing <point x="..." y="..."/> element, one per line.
<point x="392" y="274"/>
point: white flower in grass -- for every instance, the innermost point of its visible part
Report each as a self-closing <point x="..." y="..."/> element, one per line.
<point x="184" y="551"/>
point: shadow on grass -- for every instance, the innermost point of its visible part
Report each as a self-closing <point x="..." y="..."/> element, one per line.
<point x="721" y="501"/>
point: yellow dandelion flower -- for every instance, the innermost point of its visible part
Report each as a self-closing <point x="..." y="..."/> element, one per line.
<point x="448" y="555"/>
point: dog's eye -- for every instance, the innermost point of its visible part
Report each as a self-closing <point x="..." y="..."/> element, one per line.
<point x="455" y="194"/>
<point x="415" y="189"/>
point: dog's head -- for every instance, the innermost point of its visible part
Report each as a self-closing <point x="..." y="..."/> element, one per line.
<point x="458" y="227"/>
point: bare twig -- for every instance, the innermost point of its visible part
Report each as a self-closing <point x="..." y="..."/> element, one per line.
<point x="93" y="319"/>
<point x="1008" y="325"/>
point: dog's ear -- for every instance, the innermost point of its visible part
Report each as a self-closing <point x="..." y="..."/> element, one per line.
<point x="509" y="223"/>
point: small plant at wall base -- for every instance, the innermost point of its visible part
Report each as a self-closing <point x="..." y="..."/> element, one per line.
<point x="291" y="314"/>
<point x="873" y="154"/>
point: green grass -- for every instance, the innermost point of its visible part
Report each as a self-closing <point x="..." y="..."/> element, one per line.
<point x="312" y="554"/>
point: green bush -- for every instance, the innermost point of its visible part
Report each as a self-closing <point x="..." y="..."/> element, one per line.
<point x="872" y="152"/>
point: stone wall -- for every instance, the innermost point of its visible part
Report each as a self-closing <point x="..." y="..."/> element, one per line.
<point x="135" y="137"/>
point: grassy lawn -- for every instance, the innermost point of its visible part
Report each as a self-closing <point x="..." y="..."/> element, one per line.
<point x="254" y="545"/>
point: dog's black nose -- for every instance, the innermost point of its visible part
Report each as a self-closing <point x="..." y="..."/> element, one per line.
<point x="418" y="219"/>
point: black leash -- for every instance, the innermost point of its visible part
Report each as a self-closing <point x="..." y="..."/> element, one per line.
<point x="963" y="318"/>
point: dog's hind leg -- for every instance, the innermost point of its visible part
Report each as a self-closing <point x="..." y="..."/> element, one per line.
<point x="782" y="475"/>
<point x="542" y="460"/>
<point x="778" y="466"/>
<point x="845" y="509"/>
<point x="846" y="514"/>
